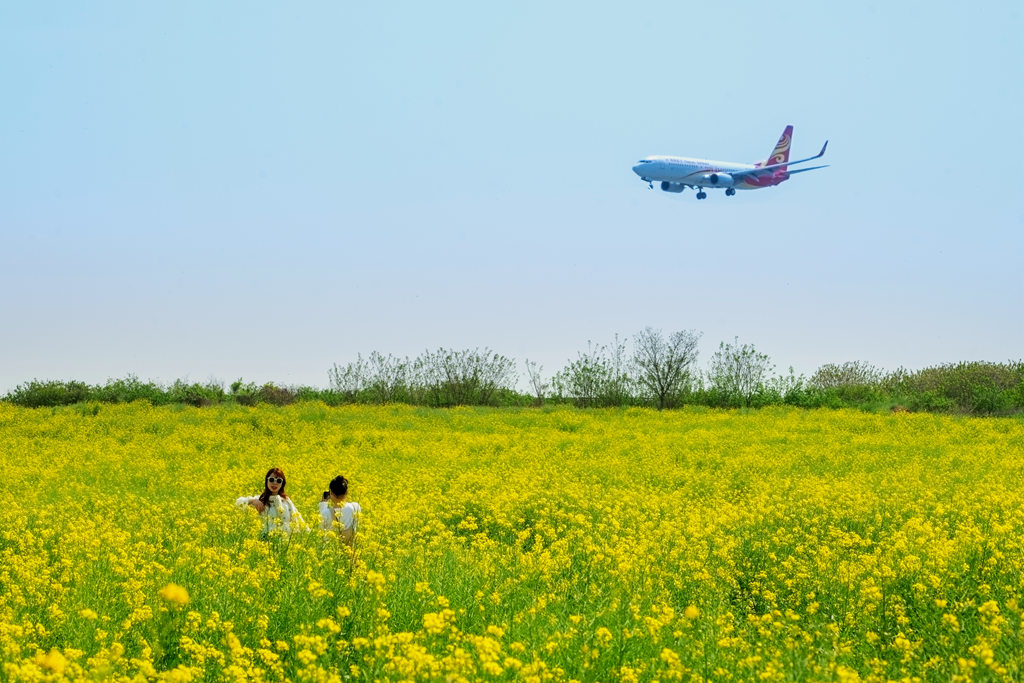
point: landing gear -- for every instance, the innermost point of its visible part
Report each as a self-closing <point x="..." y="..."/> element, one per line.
<point x="702" y="195"/>
<point x="730" y="192"/>
<point x="650" y="185"/>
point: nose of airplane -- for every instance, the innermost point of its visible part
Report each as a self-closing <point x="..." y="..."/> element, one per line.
<point x="638" y="169"/>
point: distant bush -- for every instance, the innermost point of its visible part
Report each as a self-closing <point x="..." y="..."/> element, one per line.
<point x="196" y="394"/>
<point x="851" y="373"/>
<point x="326" y="396"/>
<point x="807" y="396"/>
<point x="250" y="394"/>
<point x="979" y="388"/>
<point x="277" y="396"/>
<point x="38" y="394"/>
<point x="851" y="383"/>
<point x="128" y="390"/>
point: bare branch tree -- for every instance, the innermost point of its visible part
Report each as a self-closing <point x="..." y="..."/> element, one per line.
<point x="540" y="387"/>
<point x="466" y="377"/>
<point x="663" y="366"/>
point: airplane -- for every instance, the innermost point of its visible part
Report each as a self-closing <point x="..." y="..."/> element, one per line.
<point x="678" y="173"/>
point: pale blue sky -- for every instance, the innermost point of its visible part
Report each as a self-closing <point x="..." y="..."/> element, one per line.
<point x="207" y="190"/>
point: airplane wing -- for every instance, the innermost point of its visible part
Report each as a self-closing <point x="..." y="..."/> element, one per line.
<point x="801" y="170"/>
<point x="763" y="169"/>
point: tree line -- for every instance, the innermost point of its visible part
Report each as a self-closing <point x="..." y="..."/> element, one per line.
<point x="651" y="369"/>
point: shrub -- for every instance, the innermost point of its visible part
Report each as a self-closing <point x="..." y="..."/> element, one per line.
<point x="326" y="396"/>
<point x="850" y="374"/>
<point x="197" y="394"/>
<point x="37" y="394"/>
<point x="967" y="387"/>
<point x="244" y="393"/>
<point x="130" y="389"/>
<point x="275" y="395"/>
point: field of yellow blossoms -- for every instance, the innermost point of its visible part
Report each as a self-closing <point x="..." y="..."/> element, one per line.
<point x="534" y="544"/>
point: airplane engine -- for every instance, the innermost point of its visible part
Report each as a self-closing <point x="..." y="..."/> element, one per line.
<point x="672" y="187"/>
<point x="719" y="179"/>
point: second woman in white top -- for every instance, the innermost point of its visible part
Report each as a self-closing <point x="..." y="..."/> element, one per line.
<point x="338" y="513"/>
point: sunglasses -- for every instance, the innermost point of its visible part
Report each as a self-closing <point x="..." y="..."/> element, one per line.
<point x="275" y="480"/>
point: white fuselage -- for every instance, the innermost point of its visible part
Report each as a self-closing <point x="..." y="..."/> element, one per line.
<point x="686" y="171"/>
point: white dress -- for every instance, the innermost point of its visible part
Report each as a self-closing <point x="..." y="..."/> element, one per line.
<point x="279" y="515"/>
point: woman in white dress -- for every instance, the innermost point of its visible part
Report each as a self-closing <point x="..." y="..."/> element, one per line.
<point x="339" y="514"/>
<point x="275" y="507"/>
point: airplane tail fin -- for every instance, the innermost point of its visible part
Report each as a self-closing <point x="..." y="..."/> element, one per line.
<point x="780" y="154"/>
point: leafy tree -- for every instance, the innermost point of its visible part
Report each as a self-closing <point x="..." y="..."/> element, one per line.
<point x="738" y="371"/>
<point x="388" y="377"/>
<point x="599" y="377"/>
<point x="351" y="380"/>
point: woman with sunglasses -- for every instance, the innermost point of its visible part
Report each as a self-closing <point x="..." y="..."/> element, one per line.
<point x="275" y="507"/>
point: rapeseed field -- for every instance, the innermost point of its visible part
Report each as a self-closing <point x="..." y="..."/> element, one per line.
<point x="533" y="545"/>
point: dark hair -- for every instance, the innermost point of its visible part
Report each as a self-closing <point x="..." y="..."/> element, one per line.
<point x="265" y="496"/>
<point x="339" y="486"/>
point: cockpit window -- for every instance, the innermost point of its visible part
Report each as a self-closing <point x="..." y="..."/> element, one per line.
<point x="644" y="161"/>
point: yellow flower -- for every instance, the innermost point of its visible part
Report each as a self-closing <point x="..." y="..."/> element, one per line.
<point x="174" y="594"/>
<point x="552" y="546"/>
<point x="376" y="580"/>
<point x="52" y="660"/>
<point x="990" y="608"/>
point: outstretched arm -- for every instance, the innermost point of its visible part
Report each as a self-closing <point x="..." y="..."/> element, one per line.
<point x="252" y="501"/>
